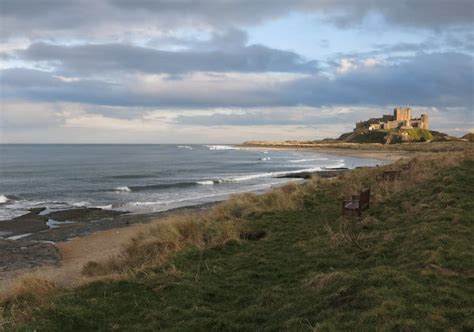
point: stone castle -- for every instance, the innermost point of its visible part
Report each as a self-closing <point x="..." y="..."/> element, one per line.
<point x="401" y="119"/>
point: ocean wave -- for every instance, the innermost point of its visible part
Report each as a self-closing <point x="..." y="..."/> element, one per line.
<point x="104" y="207"/>
<point x="265" y="158"/>
<point x="123" y="189"/>
<point x="3" y="199"/>
<point x="221" y="147"/>
<point x="158" y="186"/>
<point x="270" y="174"/>
<point x="80" y="204"/>
<point x="206" y="183"/>
<point x="306" y="160"/>
<point x="185" y="147"/>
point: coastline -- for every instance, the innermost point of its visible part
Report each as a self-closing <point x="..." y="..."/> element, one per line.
<point x="343" y="151"/>
<point x="64" y="250"/>
<point x="50" y="249"/>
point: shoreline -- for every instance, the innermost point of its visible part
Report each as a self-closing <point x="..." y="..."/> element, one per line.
<point x="343" y="151"/>
<point x="64" y="250"/>
<point x="49" y="249"/>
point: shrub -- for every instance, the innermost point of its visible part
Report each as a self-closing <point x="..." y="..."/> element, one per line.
<point x="419" y="135"/>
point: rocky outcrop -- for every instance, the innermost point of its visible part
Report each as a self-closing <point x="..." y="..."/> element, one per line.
<point x="25" y="255"/>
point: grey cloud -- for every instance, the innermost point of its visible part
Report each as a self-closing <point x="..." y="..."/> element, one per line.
<point x="121" y="57"/>
<point x="438" y="79"/>
<point x="36" y="85"/>
<point x="225" y="39"/>
<point x="29" y="18"/>
<point x="428" y="13"/>
<point x="280" y="117"/>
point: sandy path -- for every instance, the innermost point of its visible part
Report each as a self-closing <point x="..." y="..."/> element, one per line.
<point x="94" y="247"/>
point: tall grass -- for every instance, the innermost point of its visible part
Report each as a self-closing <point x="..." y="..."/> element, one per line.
<point x="212" y="228"/>
<point x="24" y="295"/>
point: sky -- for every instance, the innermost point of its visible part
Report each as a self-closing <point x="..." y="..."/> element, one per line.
<point x="226" y="71"/>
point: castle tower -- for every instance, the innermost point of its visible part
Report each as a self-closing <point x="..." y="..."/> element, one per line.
<point x="402" y="114"/>
<point x="424" y="121"/>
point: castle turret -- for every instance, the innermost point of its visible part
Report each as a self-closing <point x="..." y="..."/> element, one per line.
<point x="402" y="114"/>
<point x="424" y="121"/>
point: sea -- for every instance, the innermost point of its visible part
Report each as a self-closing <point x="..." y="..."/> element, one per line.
<point x="145" y="178"/>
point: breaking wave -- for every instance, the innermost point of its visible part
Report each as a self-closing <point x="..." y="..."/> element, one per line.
<point x="221" y="147"/>
<point x="122" y="189"/>
<point x="306" y="160"/>
<point x="206" y="183"/>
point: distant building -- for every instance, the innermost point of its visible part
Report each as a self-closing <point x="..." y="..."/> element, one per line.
<point x="401" y="119"/>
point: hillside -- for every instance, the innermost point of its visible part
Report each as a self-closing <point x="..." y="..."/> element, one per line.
<point x="408" y="264"/>
<point x="395" y="136"/>
<point x="469" y="137"/>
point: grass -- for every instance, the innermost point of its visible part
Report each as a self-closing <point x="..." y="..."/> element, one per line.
<point x="419" y="147"/>
<point x="419" y="135"/>
<point x="370" y="137"/>
<point x="408" y="264"/>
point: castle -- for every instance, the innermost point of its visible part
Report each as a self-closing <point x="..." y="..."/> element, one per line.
<point x="401" y="119"/>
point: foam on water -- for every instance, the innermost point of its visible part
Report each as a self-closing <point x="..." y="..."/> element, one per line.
<point x="306" y="160"/>
<point x="3" y="199"/>
<point x="206" y="183"/>
<point x="123" y="189"/>
<point x="20" y="236"/>
<point x="222" y="147"/>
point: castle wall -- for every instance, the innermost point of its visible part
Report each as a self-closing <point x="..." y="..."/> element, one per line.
<point x="392" y="124"/>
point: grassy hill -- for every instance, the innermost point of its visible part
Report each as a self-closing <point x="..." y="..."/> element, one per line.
<point x="469" y="137"/>
<point x="393" y="136"/>
<point x="408" y="264"/>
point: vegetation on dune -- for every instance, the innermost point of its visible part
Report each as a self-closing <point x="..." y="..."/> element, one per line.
<point x="408" y="264"/>
<point x="378" y="136"/>
<point x="419" y="135"/>
<point x="469" y="137"/>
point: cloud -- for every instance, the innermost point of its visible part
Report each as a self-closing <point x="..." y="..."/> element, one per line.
<point x="99" y="58"/>
<point x="435" y="79"/>
<point x="85" y="19"/>
<point x="277" y="116"/>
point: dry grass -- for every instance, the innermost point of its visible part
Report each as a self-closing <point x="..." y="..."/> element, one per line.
<point x="422" y="168"/>
<point x="212" y="228"/>
<point x="23" y="297"/>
